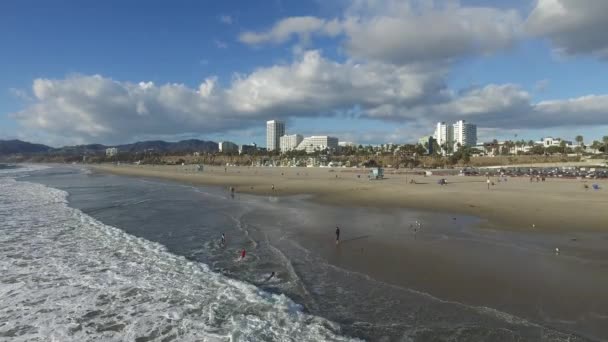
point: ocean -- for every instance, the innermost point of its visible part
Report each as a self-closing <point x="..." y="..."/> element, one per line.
<point x="88" y="257"/>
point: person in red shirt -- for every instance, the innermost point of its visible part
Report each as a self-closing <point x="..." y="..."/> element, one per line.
<point x="243" y="252"/>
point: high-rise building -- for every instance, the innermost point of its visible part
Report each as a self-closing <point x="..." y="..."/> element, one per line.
<point x="465" y="134"/>
<point x="444" y="135"/>
<point x="318" y="143"/>
<point x="427" y="142"/>
<point x="290" y="142"/>
<point x="275" y="129"/>
<point x="227" y="147"/>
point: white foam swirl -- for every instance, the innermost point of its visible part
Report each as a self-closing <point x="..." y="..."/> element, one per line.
<point x="69" y="277"/>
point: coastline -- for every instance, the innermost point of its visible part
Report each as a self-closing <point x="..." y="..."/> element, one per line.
<point x="557" y="205"/>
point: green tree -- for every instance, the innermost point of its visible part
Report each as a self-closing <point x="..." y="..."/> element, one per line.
<point x="562" y="146"/>
<point x="579" y="139"/>
<point x="605" y="140"/>
<point x="537" y="149"/>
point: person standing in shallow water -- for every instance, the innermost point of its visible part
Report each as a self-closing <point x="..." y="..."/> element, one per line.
<point x="337" y="235"/>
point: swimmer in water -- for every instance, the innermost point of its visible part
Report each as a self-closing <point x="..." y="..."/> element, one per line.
<point x="243" y="252"/>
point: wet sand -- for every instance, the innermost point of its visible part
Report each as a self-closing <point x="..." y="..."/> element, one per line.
<point x="556" y="205"/>
<point x="497" y="262"/>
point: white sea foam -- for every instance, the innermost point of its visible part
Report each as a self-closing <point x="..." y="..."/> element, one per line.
<point x="68" y="277"/>
<point x="23" y="169"/>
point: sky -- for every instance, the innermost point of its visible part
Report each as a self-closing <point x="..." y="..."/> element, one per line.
<point x="366" y="71"/>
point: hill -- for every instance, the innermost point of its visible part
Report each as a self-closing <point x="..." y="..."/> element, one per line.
<point x="21" y="147"/>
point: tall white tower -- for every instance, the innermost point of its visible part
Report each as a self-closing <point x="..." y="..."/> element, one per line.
<point x="444" y="134"/>
<point x="465" y="134"/>
<point x="275" y="129"/>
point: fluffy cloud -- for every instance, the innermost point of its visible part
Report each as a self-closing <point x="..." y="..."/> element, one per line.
<point x="95" y="108"/>
<point x="283" y="30"/>
<point x="504" y="107"/>
<point x="573" y="26"/>
<point x="439" y="31"/>
<point x="402" y="32"/>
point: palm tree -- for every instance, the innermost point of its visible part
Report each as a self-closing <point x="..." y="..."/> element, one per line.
<point x="579" y="140"/>
<point x="605" y="140"/>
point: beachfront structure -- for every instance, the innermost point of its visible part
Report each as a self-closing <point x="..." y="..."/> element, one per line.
<point x="227" y="147"/>
<point x="444" y="135"/>
<point x="290" y="142"/>
<point x="346" y="144"/>
<point x="275" y="129"/>
<point x="247" y="149"/>
<point x="318" y="143"/>
<point x="111" y="152"/>
<point x="465" y="134"/>
<point x="550" y="141"/>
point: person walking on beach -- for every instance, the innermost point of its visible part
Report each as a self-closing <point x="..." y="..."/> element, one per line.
<point x="337" y="235"/>
<point x="488" y="182"/>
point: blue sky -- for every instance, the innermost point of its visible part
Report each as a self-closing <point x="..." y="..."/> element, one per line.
<point x="359" y="70"/>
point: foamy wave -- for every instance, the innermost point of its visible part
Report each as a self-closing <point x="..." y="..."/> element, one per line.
<point x="23" y="168"/>
<point x="69" y="277"/>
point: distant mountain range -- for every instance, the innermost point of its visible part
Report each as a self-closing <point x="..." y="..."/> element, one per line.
<point x="11" y="147"/>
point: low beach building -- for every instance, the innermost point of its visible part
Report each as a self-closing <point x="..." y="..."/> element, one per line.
<point x="290" y="142"/>
<point x="111" y="152"/>
<point x="318" y="143"/>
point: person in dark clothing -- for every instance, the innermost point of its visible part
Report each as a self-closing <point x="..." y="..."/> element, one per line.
<point x="223" y="242"/>
<point x="337" y="235"/>
<point x="270" y="276"/>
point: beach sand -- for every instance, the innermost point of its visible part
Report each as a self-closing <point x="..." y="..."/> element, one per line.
<point x="508" y="264"/>
<point x="556" y="205"/>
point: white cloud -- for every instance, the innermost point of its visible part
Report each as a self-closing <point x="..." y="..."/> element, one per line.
<point x="95" y="108"/>
<point x="441" y="30"/>
<point x="226" y="19"/>
<point x="573" y="26"/>
<point x="285" y="29"/>
<point x="98" y="109"/>
<point x="403" y="32"/>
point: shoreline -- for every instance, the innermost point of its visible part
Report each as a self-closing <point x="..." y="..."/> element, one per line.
<point x="557" y="205"/>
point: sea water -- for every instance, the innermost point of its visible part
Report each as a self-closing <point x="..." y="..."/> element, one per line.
<point x="69" y="277"/>
<point x="119" y="258"/>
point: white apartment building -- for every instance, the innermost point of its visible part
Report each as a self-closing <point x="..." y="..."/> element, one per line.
<point x="444" y="135"/>
<point x="290" y="142"/>
<point x="227" y="146"/>
<point x="465" y="134"/>
<point x="550" y="141"/>
<point x="112" y="151"/>
<point x="275" y="129"/>
<point x="318" y="143"/>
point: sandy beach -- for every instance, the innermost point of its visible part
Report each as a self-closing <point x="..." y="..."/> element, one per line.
<point x="518" y="204"/>
<point x="507" y="265"/>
